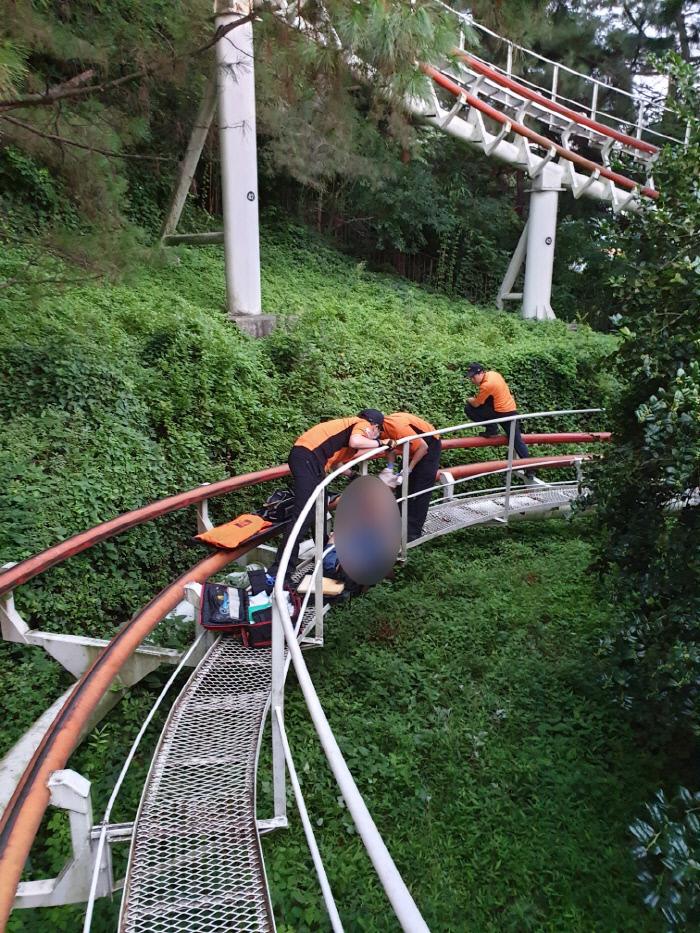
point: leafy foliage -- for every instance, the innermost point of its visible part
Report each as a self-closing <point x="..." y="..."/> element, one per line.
<point x="668" y="852"/>
<point x="114" y="397"/>
<point x="648" y="518"/>
<point x="465" y="695"/>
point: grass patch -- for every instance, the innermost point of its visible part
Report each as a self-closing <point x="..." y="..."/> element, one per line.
<point x="467" y="698"/>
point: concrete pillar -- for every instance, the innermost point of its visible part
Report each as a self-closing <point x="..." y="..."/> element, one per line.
<point x="541" y="235"/>
<point x="239" y="168"/>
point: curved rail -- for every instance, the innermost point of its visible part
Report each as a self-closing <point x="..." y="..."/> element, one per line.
<point x="527" y="133"/>
<point x="488" y="71"/>
<point x="23" y="814"/>
<point x="31" y="567"/>
<point x="598" y="85"/>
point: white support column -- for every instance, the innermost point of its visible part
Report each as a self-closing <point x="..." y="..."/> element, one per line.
<point x="239" y="168"/>
<point x="541" y="235"/>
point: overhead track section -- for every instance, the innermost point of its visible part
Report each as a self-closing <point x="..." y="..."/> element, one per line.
<point x="512" y="141"/>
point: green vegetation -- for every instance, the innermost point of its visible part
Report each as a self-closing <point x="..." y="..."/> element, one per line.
<point x="115" y="396"/>
<point x="471" y="714"/>
<point x="648" y="519"/>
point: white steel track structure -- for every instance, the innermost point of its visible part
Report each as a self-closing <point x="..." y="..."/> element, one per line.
<point x="195" y="861"/>
<point x="491" y="108"/>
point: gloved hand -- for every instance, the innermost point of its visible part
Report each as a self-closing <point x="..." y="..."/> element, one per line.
<point x="391" y="444"/>
<point x="388" y="476"/>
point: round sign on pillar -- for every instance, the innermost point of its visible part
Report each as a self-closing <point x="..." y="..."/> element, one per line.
<point x="251" y="196"/>
<point x="548" y="240"/>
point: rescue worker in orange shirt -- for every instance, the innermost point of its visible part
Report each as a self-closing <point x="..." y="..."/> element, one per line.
<point x="320" y="449"/>
<point x="423" y="464"/>
<point x="493" y="399"/>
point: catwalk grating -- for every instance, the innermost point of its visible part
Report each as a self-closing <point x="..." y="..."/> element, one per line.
<point x="478" y="510"/>
<point x="196" y="863"/>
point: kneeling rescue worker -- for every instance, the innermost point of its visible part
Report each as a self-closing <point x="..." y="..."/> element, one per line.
<point x="320" y="449"/>
<point x="493" y="399"/>
<point x="423" y="464"/>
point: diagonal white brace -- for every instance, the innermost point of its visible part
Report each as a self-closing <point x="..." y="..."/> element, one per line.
<point x="461" y="101"/>
<point x="536" y="170"/>
<point x="499" y="137"/>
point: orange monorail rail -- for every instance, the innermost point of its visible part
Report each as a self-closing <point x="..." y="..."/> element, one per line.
<point x="513" y="85"/>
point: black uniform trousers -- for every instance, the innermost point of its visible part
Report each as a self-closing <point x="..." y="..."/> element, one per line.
<point x="307" y="473"/>
<point x="422" y="476"/>
<point x="487" y="412"/>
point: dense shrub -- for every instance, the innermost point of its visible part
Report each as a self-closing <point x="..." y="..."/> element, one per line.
<point x="115" y="396"/>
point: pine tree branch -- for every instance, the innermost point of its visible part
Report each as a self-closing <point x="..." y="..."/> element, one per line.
<point x="71" y="142"/>
<point x="69" y="89"/>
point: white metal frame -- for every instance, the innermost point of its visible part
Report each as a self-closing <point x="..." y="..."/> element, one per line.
<point x="284" y="635"/>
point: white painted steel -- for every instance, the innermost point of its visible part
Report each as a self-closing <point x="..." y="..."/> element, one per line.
<point x="541" y="236"/>
<point x="636" y="98"/>
<point x="104" y="825"/>
<point x="188" y="807"/>
<point x="239" y="171"/>
<point x="308" y="829"/>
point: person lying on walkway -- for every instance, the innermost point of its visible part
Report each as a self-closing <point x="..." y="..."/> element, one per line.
<point x="423" y="464"/>
<point x="494" y="399"/>
<point x="322" y="448"/>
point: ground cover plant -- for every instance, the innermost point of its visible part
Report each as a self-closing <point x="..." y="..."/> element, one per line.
<point x="466" y="695"/>
<point x="115" y="396"/>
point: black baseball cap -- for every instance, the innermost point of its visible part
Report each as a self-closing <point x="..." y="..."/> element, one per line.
<point x="372" y="415"/>
<point x="473" y="369"/>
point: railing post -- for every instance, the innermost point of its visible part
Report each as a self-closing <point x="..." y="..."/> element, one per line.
<point x="509" y="474"/>
<point x="555" y="81"/>
<point x="405" y="458"/>
<point x="318" y="576"/>
<point x="277" y="702"/>
<point x="509" y="64"/>
<point x="203" y="521"/>
<point x="594" y="101"/>
<point x="640" y="121"/>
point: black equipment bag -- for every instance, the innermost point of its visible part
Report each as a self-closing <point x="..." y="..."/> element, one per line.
<point x="223" y="608"/>
<point x="278" y="507"/>
<point x="258" y="634"/>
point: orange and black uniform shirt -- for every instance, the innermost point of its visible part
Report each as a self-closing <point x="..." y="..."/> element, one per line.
<point x="329" y="441"/>
<point x="493" y="384"/>
<point x="404" y="424"/>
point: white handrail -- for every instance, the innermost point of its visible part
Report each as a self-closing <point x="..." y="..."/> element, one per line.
<point x="399" y="896"/>
<point x="122" y="774"/>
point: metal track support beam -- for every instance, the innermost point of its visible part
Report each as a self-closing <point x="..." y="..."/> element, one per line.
<point x="541" y="236"/>
<point x="188" y="166"/>
<point x="239" y="167"/>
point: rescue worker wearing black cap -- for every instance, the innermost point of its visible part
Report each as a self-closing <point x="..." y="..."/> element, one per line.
<point x="322" y="448"/>
<point x="494" y="399"/>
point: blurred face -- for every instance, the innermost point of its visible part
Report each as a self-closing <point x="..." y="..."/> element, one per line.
<point x="375" y="431"/>
<point x="477" y="378"/>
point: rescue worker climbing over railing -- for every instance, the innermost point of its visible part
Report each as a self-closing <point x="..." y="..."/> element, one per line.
<point x="494" y="398"/>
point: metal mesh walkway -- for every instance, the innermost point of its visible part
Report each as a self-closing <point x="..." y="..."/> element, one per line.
<point x="480" y="510"/>
<point x="196" y="863"/>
